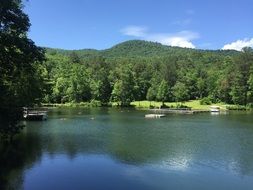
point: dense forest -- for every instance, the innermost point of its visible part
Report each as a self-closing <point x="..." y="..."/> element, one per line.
<point x="141" y="70"/>
<point x="21" y="81"/>
<point x="131" y="71"/>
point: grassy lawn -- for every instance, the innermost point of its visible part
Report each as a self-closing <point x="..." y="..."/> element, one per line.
<point x="194" y="104"/>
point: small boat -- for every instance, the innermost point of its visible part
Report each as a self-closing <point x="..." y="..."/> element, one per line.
<point x="34" y="115"/>
<point x="215" y="109"/>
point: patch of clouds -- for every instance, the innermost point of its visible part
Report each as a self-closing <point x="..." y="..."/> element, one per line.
<point x="179" y="39"/>
<point x="239" y="44"/>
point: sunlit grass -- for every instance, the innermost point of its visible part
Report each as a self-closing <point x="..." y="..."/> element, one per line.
<point x="194" y="104"/>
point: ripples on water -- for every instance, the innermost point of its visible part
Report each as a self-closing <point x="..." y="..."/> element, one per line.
<point x="120" y="149"/>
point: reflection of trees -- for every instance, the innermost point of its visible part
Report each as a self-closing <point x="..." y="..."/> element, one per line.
<point x="184" y="142"/>
<point x="177" y="143"/>
<point x="131" y="147"/>
<point x="15" y="158"/>
<point x="132" y="142"/>
<point x="180" y="142"/>
<point x="241" y="161"/>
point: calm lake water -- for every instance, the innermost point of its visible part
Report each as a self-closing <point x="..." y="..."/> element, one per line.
<point x="119" y="149"/>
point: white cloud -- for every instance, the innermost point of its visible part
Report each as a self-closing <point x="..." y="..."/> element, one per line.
<point x="180" y="39"/>
<point x="136" y="31"/>
<point x="239" y="44"/>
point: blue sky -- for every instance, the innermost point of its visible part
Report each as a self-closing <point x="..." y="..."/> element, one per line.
<point x="100" y="24"/>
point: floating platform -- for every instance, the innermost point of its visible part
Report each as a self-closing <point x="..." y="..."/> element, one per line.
<point x="215" y="109"/>
<point x="178" y="111"/>
<point x="154" y="115"/>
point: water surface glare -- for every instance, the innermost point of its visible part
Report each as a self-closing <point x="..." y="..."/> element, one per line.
<point x="120" y="149"/>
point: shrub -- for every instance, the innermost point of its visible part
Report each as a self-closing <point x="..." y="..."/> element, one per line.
<point x="236" y="107"/>
<point x="179" y="106"/>
<point x="95" y="103"/>
<point x="250" y="106"/>
<point x="206" y="101"/>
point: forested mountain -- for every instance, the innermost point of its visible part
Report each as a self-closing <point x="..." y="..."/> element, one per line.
<point x="139" y="70"/>
<point x="138" y="48"/>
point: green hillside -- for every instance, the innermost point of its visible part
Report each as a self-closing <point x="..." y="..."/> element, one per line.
<point x="139" y="48"/>
<point x="140" y="70"/>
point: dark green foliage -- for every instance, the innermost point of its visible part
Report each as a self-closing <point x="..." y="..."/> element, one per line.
<point x="151" y="94"/>
<point x="236" y="107"/>
<point x="250" y="89"/>
<point x="139" y="70"/>
<point x="8" y="120"/>
<point x="163" y="91"/>
<point x="124" y="88"/>
<point x="180" y="92"/>
<point x="239" y="90"/>
<point x="74" y="58"/>
<point x="20" y="73"/>
<point x="205" y="101"/>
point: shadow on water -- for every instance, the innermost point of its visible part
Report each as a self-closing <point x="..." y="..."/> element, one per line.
<point x="15" y="158"/>
<point x="125" y="137"/>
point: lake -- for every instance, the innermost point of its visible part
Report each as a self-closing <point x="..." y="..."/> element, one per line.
<point x="120" y="149"/>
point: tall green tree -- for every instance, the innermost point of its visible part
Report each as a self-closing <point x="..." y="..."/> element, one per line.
<point x="240" y="85"/>
<point x="19" y="62"/>
<point x="79" y="86"/>
<point x="163" y="92"/>
<point x="180" y="92"/>
<point x="124" y="88"/>
<point x="100" y="83"/>
<point x="117" y="92"/>
<point x="151" y="94"/>
<point x="74" y="58"/>
<point x="224" y="89"/>
<point x="250" y="89"/>
<point x="134" y="70"/>
<point x="239" y="90"/>
<point x="201" y="87"/>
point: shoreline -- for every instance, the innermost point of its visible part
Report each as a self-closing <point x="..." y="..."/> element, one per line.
<point x="192" y="104"/>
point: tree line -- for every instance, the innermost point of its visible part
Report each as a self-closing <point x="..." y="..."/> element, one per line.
<point x="21" y="82"/>
<point x="133" y="70"/>
<point x="120" y="75"/>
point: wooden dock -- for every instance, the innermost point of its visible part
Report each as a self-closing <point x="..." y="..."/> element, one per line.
<point x="178" y="111"/>
<point x="34" y="114"/>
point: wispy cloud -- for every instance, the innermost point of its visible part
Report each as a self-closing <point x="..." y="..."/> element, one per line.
<point x="239" y="44"/>
<point x="180" y="39"/>
<point x="136" y="31"/>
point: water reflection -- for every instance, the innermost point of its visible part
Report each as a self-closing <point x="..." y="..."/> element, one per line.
<point x="17" y="157"/>
<point x="124" y="143"/>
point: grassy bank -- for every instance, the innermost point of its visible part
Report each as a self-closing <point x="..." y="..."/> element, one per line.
<point x="74" y="104"/>
<point x="194" y="104"/>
